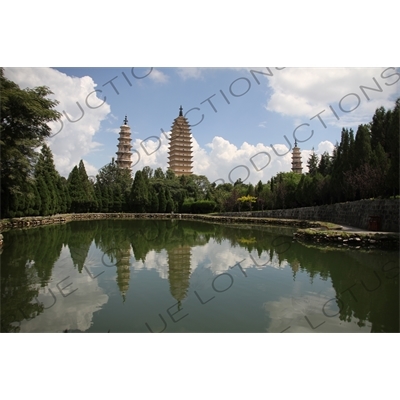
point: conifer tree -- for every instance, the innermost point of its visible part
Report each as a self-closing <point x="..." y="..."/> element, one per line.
<point x="362" y="147"/>
<point x="170" y="202"/>
<point x="76" y="191"/>
<point x="378" y="128"/>
<point x="154" y="203"/>
<point x="139" y="193"/>
<point x="159" y="174"/>
<point x="88" y="189"/>
<point x="46" y="169"/>
<point x="325" y="164"/>
<point x="45" y="197"/>
<point x="393" y="150"/>
<point x="99" y="197"/>
<point x="36" y="203"/>
<point x="24" y="117"/>
<point x="162" y="201"/>
<point x="312" y="163"/>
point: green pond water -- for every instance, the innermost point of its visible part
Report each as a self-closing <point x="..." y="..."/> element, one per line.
<point x="186" y="276"/>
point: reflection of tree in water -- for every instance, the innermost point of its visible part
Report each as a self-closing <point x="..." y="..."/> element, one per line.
<point x="177" y="238"/>
<point x="375" y="296"/>
<point x="26" y="266"/>
<point x="370" y="292"/>
<point x="295" y="266"/>
<point x="79" y="241"/>
<point x="112" y="237"/>
<point x="365" y="290"/>
<point x="179" y="271"/>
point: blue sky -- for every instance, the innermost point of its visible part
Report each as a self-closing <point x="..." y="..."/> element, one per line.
<point x="242" y="119"/>
<point x="206" y="34"/>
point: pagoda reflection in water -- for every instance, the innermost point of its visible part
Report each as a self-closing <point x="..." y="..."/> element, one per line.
<point x="123" y="269"/>
<point x="179" y="271"/>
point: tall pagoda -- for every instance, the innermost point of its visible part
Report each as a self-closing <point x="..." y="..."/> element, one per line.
<point x="180" y="146"/>
<point x="124" y="146"/>
<point x="296" y="159"/>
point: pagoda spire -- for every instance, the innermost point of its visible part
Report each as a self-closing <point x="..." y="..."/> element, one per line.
<point x="180" y="111"/>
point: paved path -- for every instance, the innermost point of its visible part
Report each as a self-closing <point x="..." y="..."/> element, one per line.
<point x="359" y="230"/>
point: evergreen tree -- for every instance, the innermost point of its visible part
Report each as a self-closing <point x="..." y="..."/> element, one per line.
<point x="259" y="187"/>
<point x="24" y="116"/>
<point x="147" y="173"/>
<point x="76" y="191"/>
<point x="312" y="163"/>
<point x="46" y="169"/>
<point x="362" y="147"/>
<point x="89" y="203"/>
<point x="393" y="150"/>
<point x="33" y="201"/>
<point x="104" y="196"/>
<point x="154" y="203"/>
<point x="118" y="199"/>
<point x="250" y="190"/>
<point x="99" y="197"/>
<point x="139" y="193"/>
<point x="170" y="174"/>
<point x="170" y="203"/>
<point x="325" y="164"/>
<point x="162" y="201"/>
<point x="114" y="185"/>
<point x="379" y="128"/>
<point x="159" y="174"/>
<point x="45" y="197"/>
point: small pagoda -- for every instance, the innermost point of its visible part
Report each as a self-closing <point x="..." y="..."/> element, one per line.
<point x="296" y="160"/>
<point x="124" y="153"/>
<point x="180" y="146"/>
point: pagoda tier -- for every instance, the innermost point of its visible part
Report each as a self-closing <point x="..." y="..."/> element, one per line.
<point x="124" y="153"/>
<point x="180" y="146"/>
<point x="296" y="160"/>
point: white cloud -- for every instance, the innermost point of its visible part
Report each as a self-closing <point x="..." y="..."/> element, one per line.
<point x="190" y="73"/>
<point x="305" y="92"/>
<point x="158" y="76"/>
<point x="305" y="314"/>
<point x="75" y="311"/>
<point x="222" y="160"/>
<point x="154" y="260"/>
<point x="72" y="141"/>
<point x="116" y="131"/>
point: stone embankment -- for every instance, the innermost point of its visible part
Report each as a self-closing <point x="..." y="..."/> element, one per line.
<point x="28" y="222"/>
<point x="384" y="240"/>
<point x="315" y="231"/>
<point x="371" y="214"/>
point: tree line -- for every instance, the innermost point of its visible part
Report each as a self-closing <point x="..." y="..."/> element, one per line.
<point x="363" y="165"/>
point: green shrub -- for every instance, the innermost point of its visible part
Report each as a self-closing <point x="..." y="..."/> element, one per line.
<point x="203" y="206"/>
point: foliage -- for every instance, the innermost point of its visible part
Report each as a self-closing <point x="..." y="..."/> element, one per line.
<point x="24" y="115"/>
<point x="81" y="190"/>
<point x="199" y="207"/>
<point x="361" y="166"/>
<point x="248" y="200"/>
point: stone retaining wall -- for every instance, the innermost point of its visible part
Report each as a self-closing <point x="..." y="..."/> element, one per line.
<point x="28" y="222"/>
<point x="355" y="213"/>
